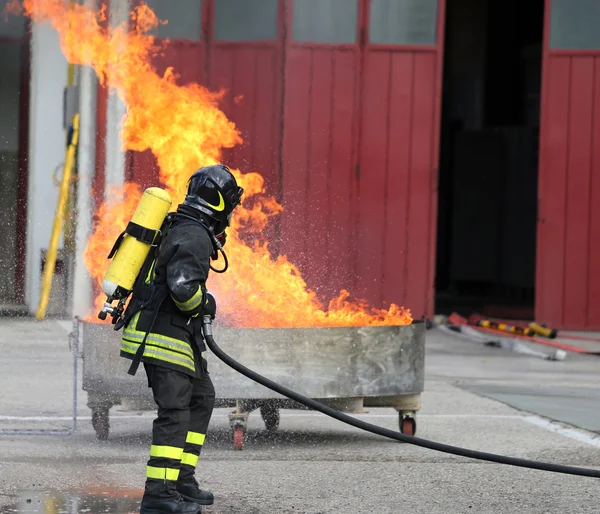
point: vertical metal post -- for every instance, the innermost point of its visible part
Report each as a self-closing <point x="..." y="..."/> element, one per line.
<point x="74" y="343"/>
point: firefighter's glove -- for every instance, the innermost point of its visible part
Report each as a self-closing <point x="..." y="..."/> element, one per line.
<point x="210" y="306"/>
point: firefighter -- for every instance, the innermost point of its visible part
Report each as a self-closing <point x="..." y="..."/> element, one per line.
<point x="162" y="329"/>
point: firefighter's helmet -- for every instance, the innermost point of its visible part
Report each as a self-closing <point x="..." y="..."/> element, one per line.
<point x="213" y="190"/>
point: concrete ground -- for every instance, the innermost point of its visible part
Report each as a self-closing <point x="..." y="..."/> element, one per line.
<point x="478" y="397"/>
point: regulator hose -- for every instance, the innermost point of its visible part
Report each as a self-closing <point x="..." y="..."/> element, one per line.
<point x="225" y="267"/>
<point x="392" y="434"/>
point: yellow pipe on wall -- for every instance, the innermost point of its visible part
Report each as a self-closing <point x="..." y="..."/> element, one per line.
<point x="69" y="237"/>
<point x="63" y="197"/>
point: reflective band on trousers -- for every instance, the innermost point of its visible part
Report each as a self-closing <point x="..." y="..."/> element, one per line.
<point x="166" y="452"/>
<point x="192" y="303"/>
<point x="162" y="473"/>
<point x="195" y="438"/>
<point x="189" y="459"/>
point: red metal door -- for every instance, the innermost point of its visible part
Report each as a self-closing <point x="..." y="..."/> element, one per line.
<point x="360" y="147"/>
<point x="399" y="142"/>
<point x="319" y="141"/>
<point x="568" y="243"/>
<point x="246" y="60"/>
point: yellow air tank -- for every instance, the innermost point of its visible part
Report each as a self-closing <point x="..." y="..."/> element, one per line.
<point x="131" y="252"/>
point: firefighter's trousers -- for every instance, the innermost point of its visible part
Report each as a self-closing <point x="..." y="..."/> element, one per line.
<point x="185" y="406"/>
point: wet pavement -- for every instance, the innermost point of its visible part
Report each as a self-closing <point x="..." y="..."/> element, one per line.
<point x="78" y="502"/>
<point x="570" y="405"/>
<point x="314" y="465"/>
<point x="56" y="502"/>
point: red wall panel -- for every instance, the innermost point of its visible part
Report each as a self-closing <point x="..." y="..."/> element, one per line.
<point x="319" y="158"/>
<point x="552" y="201"/>
<point x="568" y="276"/>
<point x="398" y="158"/>
<point x="321" y="98"/>
<point x="100" y="143"/>
<point x="296" y="139"/>
<point x="342" y="170"/>
<point x="593" y="270"/>
<point x="100" y="174"/>
<point x="372" y="208"/>
<point x="577" y="191"/>
<point x="373" y="170"/>
<point x="251" y="75"/>
<point x="397" y="171"/>
<point x="421" y="191"/>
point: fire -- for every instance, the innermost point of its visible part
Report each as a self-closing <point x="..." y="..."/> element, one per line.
<point x="185" y="129"/>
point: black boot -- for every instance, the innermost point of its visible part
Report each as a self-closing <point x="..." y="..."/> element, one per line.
<point x="190" y="491"/>
<point x="171" y="505"/>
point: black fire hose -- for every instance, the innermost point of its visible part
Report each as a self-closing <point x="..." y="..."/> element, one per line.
<point x="392" y="434"/>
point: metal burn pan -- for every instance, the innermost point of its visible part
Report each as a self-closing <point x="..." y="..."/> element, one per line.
<point x="347" y="368"/>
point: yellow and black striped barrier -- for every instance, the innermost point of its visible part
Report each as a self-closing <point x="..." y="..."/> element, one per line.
<point x="506" y="328"/>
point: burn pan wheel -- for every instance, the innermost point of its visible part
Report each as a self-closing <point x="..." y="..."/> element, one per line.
<point x="101" y="423"/>
<point x="270" y="415"/>
<point x="239" y="434"/>
<point x="407" y="423"/>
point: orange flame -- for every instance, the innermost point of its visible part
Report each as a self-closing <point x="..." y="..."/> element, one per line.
<point x="185" y="129"/>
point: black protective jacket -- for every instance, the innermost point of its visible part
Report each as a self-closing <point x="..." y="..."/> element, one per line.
<point x="163" y="322"/>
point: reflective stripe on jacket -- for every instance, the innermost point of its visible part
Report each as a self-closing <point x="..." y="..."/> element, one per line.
<point x="158" y="347"/>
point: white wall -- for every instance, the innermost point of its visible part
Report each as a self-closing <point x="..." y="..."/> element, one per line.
<point x="46" y="149"/>
<point x="115" y="111"/>
<point x="86" y="165"/>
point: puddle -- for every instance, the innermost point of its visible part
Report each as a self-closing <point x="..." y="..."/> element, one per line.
<point x="104" y="500"/>
<point x="52" y="502"/>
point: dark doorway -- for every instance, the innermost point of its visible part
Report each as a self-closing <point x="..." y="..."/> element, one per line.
<point x="14" y="107"/>
<point x="489" y="158"/>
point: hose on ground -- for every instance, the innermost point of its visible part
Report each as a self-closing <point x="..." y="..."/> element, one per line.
<point x="384" y="432"/>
